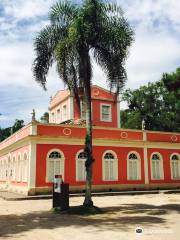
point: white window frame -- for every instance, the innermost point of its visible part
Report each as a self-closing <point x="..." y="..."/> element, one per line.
<point x="19" y="167"/>
<point x="5" y="169"/>
<point x="82" y="161"/>
<point x="161" y="166"/>
<point x="58" y="111"/>
<point x="61" y="160"/>
<point x="81" y="114"/>
<point x="25" y="167"/>
<point x="171" y="163"/>
<point x="9" y="167"/>
<point x="14" y="167"/>
<point x="138" y="161"/>
<point x="1" y="170"/>
<point x="52" y="117"/>
<point x="101" y="115"/>
<point x="82" y="103"/>
<point x="115" y="166"/>
<point x="64" y="114"/>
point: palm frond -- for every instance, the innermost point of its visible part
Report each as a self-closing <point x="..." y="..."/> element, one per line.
<point x="44" y="47"/>
<point x="63" y="12"/>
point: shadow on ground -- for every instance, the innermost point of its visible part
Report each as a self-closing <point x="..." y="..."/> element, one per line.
<point x="114" y="218"/>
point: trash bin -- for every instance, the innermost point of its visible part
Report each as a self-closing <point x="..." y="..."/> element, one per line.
<point x="60" y="193"/>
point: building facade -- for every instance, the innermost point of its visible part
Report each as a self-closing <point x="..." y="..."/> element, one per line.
<point x="124" y="159"/>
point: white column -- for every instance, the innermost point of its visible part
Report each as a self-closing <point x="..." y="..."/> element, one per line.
<point x="32" y="166"/>
<point x="33" y="129"/>
<point x="118" y="112"/>
<point x="145" y="159"/>
<point x="71" y="107"/>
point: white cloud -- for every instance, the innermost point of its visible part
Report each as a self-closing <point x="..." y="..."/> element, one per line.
<point x="21" y="9"/>
<point x="151" y="55"/>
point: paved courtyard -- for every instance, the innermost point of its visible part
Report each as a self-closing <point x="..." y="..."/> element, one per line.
<point x="157" y="214"/>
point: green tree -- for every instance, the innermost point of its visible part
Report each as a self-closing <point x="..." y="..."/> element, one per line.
<point x="75" y="34"/>
<point x="6" y="132"/>
<point x="45" y="118"/>
<point x="153" y="103"/>
<point x="172" y="82"/>
<point x="17" y="125"/>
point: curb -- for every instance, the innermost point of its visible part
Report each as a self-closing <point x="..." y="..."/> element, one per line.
<point x="98" y="194"/>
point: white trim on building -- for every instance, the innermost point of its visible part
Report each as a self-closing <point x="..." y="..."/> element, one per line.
<point x="109" y="166"/>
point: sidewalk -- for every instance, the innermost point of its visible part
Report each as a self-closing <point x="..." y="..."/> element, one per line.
<point x="11" y="196"/>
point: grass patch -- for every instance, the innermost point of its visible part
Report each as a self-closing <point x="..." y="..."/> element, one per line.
<point x="80" y="210"/>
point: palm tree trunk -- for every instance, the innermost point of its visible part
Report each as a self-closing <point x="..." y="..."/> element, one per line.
<point x="85" y="77"/>
<point x="88" y="149"/>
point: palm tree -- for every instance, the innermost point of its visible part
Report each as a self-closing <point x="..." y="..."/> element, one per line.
<point x="76" y="34"/>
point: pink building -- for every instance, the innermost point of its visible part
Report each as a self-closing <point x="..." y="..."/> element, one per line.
<point x="124" y="158"/>
<point x="105" y="108"/>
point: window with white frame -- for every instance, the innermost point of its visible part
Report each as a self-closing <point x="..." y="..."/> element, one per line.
<point x="25" y="174"/>
<point x="106" y="115"/>
<point x="1" y="170"/>
<point x="24" y="168"/>
<point x="19" y="168"/>
<point x="64" y="113"/>
<point x="133" y="167"/>
<point x="83" y="110"/>
<point x="5" y="169"/>
<point x="52" y="117"/>
<point x="58" y="116"/>
<point x="175" y="166"/>
<point x="13" y="168"/>
<point x="9" y="168"/>
<point x="16" y="169"/>
<point x="55" y="165"/>
<point x="2" y="166"/>
<point x="80" y="166"/>
<point x="110" y="167"/>
<point x="156" y="166"/>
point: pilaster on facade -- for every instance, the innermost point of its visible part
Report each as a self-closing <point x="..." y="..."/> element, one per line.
<point x="118" y="112"/>
<point x="71" y="107"/>
<point x="144" y="136"/>
<point x="146" y="176"/>
<point x="32" y="166"/>
<point x="33" y="128"/>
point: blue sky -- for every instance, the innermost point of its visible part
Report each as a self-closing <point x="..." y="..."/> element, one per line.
<point x="156" y="50"/>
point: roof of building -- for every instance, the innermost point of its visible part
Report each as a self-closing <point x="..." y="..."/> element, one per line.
<point x="61" y="95"/>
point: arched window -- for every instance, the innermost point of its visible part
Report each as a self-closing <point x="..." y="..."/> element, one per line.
<point x="5" y="169"/>
<point x="175" y="166"/>
<point x="110" y="166"/>
<point x="80" y="166"/>
<point x="133" y="166"/>
<point x="9" y="168"/>
<point x="13" y="168"/>
<point x="19" y="168"/>
<point x="1" y="170"/>
<point x="156" y="166"/>
<point x="24" y="167"/>
<point x="55" y="165"/>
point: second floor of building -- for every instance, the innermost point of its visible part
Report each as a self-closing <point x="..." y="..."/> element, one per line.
<point x="105" y="108"/>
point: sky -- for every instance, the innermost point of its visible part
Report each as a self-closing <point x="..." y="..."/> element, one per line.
<point x="156" y="49"/>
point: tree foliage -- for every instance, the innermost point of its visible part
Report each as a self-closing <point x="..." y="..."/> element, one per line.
<point x="153" y="103"/>
<point x="6" y="132"/>
<point x="172" y="83"/>
<point x="45" y="118"/>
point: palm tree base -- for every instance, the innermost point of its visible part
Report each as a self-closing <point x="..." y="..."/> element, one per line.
<point x="88" y="203"/>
